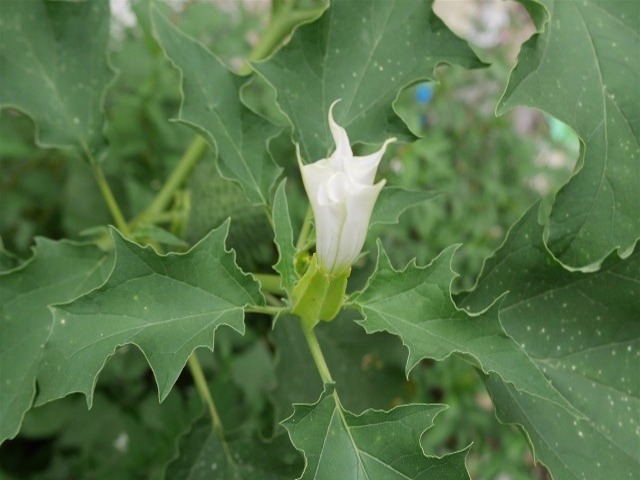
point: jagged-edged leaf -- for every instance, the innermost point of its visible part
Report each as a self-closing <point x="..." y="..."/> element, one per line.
<point x="242" y="456"/>
<point x="211" y="104"/>
<point x="362" y="52"/>
<point x="284" y="239"/>
<point x="415" y="304"/>
<point x="58" y="272"/>
<point x="54" y="68"/>
<point x="393" y="201"/>
<point x="374" y="445"/>
<point x="583" y="331"/>
<point x="583" y="67"/>
<point x="166" y="305"/>
<point x="368" y="369"/>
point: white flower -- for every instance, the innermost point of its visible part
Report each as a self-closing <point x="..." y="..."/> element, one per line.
<point x="342" y="196"/>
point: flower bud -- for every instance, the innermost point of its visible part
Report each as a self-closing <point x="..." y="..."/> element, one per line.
<point x="342" y="196"/>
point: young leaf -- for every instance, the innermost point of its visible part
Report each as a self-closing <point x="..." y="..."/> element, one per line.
<point x="583" y="331"/>
<point x="243" y="456"/>
<point x="375" y="444"/>
<point x="211" y="104"/>
<point x="284" y="239"/>
<point x="54" y="68"/>
<point x="58" y="272"/>
<point x="584" y="68"/>
<point x="166" y="305"/>
<point x="362" y="53"/>
<point x="416" y="305"/>
<point x="393" y="201"/>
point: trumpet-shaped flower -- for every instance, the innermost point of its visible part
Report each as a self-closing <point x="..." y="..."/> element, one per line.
<point x="342" y="196"/>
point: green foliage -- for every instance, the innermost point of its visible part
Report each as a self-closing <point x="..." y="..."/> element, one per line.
<point x="374" y="444"/>
<point x="583" y="332"/>
<point x="596" y="94"/>
<point x="167" y="306"/>
<point x="548" y="335"/>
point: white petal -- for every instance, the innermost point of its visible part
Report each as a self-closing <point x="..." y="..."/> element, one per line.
<point x="340" y="138"/>
<point x="363" y="169"/>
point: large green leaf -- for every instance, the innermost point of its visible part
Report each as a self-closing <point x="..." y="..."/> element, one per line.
<point x="211" y="104"/>
<point x="166" y="305"/>
<point x="58" y="272"/>
<point x="584" y="68"/>
<point x="583" y="331"/>
<point x="363" y="52"/>
<point x="54" y="68"/>
<point x="373" y="445"/>
<point x="415" y="304"/>
<point x="242" y="456"/>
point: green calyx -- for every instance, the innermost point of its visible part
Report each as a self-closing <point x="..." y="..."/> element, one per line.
<point x="318" y="295"/>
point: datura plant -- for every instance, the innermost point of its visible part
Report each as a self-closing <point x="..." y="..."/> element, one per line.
<point x="329" y="363"/>
<point x="342" y="196"/>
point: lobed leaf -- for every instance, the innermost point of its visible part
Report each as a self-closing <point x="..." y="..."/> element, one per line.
<point x="211" y="104"/>
<point x="583" y="332"/>
<point x="416" y="305"/>
<point x="362" y="52"/>
<point x="54" y="68"/>
<point x="57" y="272"/>
<point x="166" y="305"/>
<point x="373" y="445"/>
<point x="394" y="201"/>
<point x="583" y="67"/>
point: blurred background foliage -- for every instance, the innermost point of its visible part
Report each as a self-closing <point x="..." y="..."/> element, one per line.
<point x="488" y="170"/>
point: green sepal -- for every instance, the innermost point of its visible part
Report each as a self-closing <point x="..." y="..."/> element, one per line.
<point x="318" y="295"/>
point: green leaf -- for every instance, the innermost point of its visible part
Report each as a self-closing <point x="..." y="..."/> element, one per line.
<point x="584" y="69"/>
<point x="211" y="104"/>
<point x="583" y="331"/>
<point x="284" y="239"/>
<point x="373" y="445"/>
<point x="166" y="305"/>
<point x="54" y="68"/>
<point x="393" y="201"/>
<point x="367" y="368"/>
<point x="242" y="456"/>
<point x="58" y="272"/>
<point x="415" y="304"/>
<point x="362" y="52"/>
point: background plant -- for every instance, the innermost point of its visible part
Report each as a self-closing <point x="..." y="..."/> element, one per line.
<point x="571" y="315"/>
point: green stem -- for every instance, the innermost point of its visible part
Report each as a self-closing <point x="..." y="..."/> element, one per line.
<point x="267" y="310"/>
<point x="305" y="230"/>
<point x="205" y="394"/>
<point x="109" y="199"/>
<point x="270" y="283"/>
<point x="175" y="180"/>
<point x="316" y="353"/>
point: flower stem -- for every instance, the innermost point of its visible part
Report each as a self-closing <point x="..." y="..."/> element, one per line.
<point x="107" y="194"/>
<point x="205" y="394"/>
<point x="316" y="353"/>
<point x="175" y="180"/>
<point x="270" y="283"/>
<point x="305" y="230"/>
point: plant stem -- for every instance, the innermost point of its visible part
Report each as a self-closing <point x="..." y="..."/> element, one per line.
<point x="107" y="194"/>
<point x="305" y="230"/>
<point x="175" y="180"/>
<point x="316" y="353"/>
<point x="267" y="310"/>
<point x="205" y="394"/>
<point x="270" y="283"/>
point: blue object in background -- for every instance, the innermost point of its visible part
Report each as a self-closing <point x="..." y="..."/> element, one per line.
<point x="424" y="93"/>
